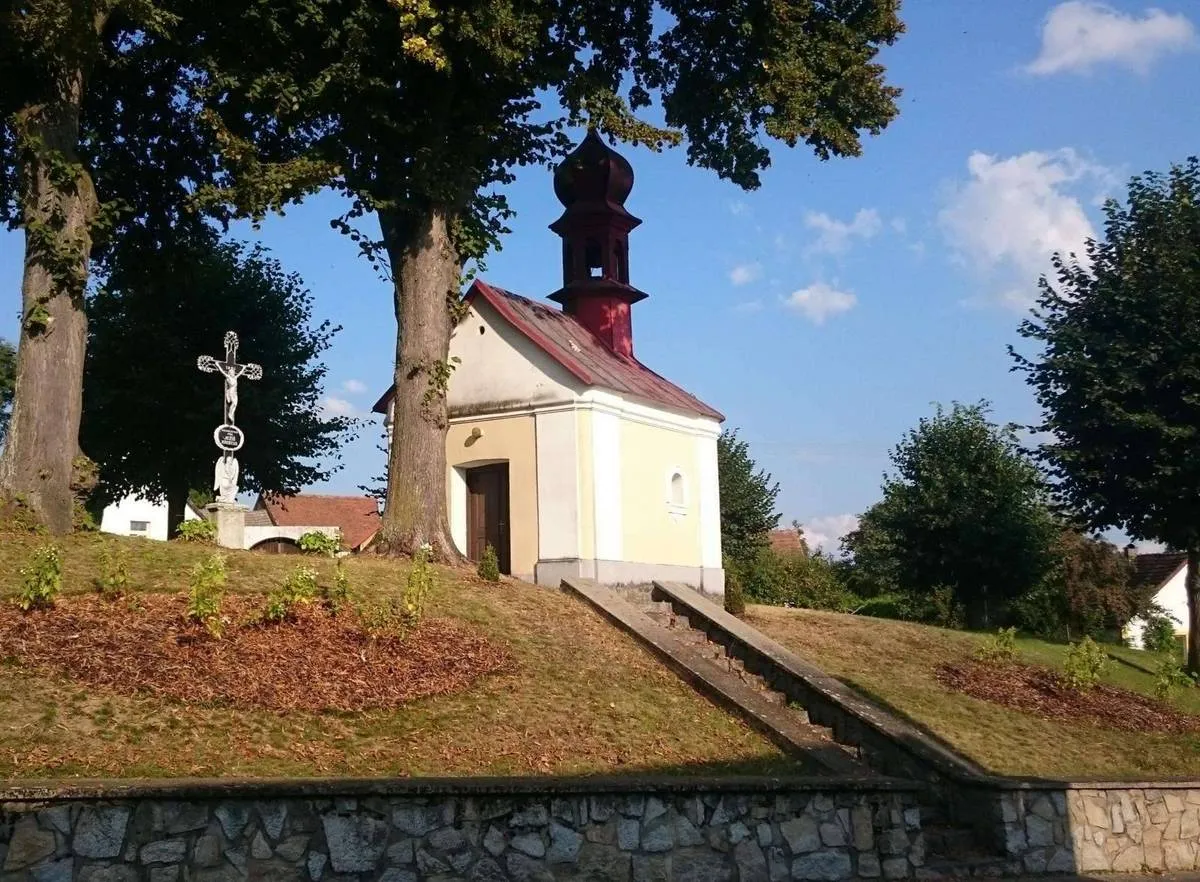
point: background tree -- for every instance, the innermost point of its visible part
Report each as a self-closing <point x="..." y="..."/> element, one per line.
<point x="1088" y="590"/>
<point x="149" y="414"/>
<point x="418" y="112"/>
<point x="964" y="511"/>
<point x="747" y="502"/>
<point x="98" y="137"/>
<point x="1118" y="374"/>
<point x="8" y="379"/>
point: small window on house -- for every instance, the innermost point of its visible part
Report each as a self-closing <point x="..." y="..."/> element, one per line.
<point x="139" y="526"/>
<point x="676" y="491"/>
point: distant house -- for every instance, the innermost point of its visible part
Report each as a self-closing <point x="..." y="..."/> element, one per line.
<point x="790" y="541"/>
<point x="277" y="522"/>
<point x="1161" y="577"/>
<point x="135" y="516"/>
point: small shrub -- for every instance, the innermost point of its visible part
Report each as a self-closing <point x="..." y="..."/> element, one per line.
<point x="418" y="585"/>
<point x="336" y="596"/>
<point x="1085" y="664"/>
<point x="1170" y="678"/>
<point x="887" y="606"/>
<point x="382" y="617"/>
<point x="298" y="589"/>
<point x="735" y="598"/>
<point x="1000" y="649"/>
<point x="202" y="531"/>
<point x="489" y="565"/>
<point x="1159" y="634"/>
<point x="41" y="578"/>
<point x="396" y="614"/>
<point x="944" y="611"/>
<point x="113" y="578"/>
<point x="207" y="591"/>
<point x="18" y="516"/>
<point x="316" y="542"/>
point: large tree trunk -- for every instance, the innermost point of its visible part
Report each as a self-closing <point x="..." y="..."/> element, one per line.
<point x="1192" y="587"/>
<point x="59" y="204"/>
<point x="177" y="500"/>
<point x="425" y="271"/>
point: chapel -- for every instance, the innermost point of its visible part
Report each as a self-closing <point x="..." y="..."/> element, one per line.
<point x="564" y="452"/>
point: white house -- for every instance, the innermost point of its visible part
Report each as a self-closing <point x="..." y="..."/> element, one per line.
<point x="564" y="452"/>
<point x="1162" y="577"/>
<point x="134" y="516"/>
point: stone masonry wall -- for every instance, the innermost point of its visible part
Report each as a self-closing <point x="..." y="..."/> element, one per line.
<point x="637" y="837"/>
<point x="1119" y="829"/>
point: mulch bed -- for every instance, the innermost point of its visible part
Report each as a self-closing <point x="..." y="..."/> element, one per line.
<point x="312" y="663"/>
<point x="1036" y="690"/>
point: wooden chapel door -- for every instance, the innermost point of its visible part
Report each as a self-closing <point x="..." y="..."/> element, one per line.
<point x="487" y="513"/>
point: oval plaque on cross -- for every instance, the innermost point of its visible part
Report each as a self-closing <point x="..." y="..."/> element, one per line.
<point x="228" y="437"/>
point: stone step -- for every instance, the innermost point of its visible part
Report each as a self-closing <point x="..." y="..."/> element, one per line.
<point x="704" y="664"/>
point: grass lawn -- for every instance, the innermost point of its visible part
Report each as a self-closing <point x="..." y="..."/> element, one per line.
<point x="581" y="698"/>
<point x="894" y="663"/>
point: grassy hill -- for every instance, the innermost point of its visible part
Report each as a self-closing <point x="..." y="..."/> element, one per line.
<point x="578" y="697"/>
<point x="897" y="664"/>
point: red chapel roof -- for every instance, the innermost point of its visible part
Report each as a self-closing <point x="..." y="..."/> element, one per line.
<point x="577" y="350"/>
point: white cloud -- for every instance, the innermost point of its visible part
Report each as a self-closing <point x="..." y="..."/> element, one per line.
<point x="745" y="273"/>
<point x="833" y="236"/>
<point x="819" y="301"/>
<point x="332" y="406"/>
<point x="826" y="532"/>
<point x="354" y="387"/>
<point x="1081" y="34"/>
<point x="1014" y="212"/>
<point x="738" y="207"/>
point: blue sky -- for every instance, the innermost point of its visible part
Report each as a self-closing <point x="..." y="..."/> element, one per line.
<point x="826" y="312"/>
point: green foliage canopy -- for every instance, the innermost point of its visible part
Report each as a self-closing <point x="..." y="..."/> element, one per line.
<point x="964" y="510"/>
<point x="148" y="412"/>
<point x="747" y="502"/>
<point x="1118" y="371"/>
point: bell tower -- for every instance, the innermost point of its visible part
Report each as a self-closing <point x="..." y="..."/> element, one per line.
<point x="593" y="183"/>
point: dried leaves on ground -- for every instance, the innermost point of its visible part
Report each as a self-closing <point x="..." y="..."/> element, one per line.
<point x="314" y="662"/>
<point x="1037" y="690"/>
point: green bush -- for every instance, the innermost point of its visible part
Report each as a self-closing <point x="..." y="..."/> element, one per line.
<point x="489" y="565"/>
<point x="735" y="598"/>
<point x="419" y="583"/>
<point x="202" y="531"/>
<point x="316" y="542"/>
<point x="41" y="578"/>
<point x="1159" y="634"/>
<point x="207" y="592"/>
<point x="298" y="589"/>
<point x="887" y="606"/>
<point x="1000" y="649"/>
<point x="1086" y="662"/>
<point x="113" y="578"/>
<point x="336" y="596"/>
<point x="796" y="580"/>
<point x="1170" y="677"/>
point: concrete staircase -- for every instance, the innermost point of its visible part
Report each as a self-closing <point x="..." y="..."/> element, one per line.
<point x="750" y="680"/>
<point x="724" y="678"/>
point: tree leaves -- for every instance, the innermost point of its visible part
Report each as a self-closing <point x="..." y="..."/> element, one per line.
<point x="747" y="501"/>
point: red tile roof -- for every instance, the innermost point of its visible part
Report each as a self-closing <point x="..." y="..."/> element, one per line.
<point x="1152" y="571"/>
<point x="787" y="542"/>
<point x="356" y="516"/>
<point x="583" y="356"/>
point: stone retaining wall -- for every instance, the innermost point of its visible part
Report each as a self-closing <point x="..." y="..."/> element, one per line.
<point x="1103" y="827"/>
<point x="631" y="837"/>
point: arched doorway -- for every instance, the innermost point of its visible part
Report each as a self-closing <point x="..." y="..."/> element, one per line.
<point x="277" y="545"/>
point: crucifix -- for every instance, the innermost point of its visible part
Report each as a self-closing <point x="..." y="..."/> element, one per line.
<point x="232" y="372"/>
<point x="227" y="436"/>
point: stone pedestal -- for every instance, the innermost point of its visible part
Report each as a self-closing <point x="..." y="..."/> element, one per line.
<point x="231" y="524"/>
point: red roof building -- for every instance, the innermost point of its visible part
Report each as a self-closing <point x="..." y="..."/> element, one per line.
<point x="357" y="517"/>
<point x="566" y="453"/>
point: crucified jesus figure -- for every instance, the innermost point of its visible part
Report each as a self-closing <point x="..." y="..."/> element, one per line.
<point x="232" y="372"/>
